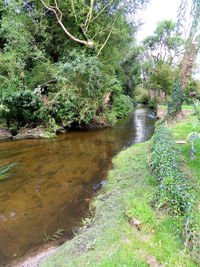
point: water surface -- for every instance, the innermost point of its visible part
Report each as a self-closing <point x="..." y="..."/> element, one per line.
<point x="54" y="180"/>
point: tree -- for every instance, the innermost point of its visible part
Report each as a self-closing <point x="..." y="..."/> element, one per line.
<point x="165" y="45"/>
<point x="159" y="53"/>
<point x="187" y="62"/>
<point x="162" y="78"/>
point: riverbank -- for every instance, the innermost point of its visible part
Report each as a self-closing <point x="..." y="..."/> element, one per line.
<point x="125" y="229"/>
<point x="162" y="111"/>
<point x="25" y="133"/>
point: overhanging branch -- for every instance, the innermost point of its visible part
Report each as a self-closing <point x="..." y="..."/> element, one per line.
<point x="58" y="15"/>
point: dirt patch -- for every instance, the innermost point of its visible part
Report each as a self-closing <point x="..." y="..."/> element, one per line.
<point x="23" y="134"/>
<point x="5" y="134"/>
<point x="161" y="113"/>
<point x="151" y="260"/>
<point x="35" y="257"/>
<point x="30" y="134"/>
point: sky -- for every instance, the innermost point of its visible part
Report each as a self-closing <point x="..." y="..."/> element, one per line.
<point x="157" y="10"/>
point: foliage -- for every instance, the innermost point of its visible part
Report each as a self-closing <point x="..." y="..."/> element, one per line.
<point x="175" y="190"/>
<point x="129" y="72"/>
<point x="49" y="77"/>
<point x="21" y="107"/>
<point x="153" y="103"/>
<point x="141" y="95"/>
<point x="161" y="78"/>
<point x="160" y="55"/>
<point x="164" y="45"/>
<point x="192" y="86"/>
<point x="122" y="105"/>
<point x="175" y="105"/>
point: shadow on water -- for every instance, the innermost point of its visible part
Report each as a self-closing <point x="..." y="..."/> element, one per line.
<point x="55" y="179"/>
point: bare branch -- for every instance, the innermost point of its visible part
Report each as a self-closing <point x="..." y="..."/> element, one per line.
<point x="107" y="38"/>
<point x="101" y="32"/>
<point x="89" y="15"/>
<point x="59" y="19"/>
<point x="101" y="10"/>
<point x="61" y="15"/>
<point x="73" y="8"/>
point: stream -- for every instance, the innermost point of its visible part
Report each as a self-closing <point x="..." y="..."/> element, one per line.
<point x="54" y="180"/>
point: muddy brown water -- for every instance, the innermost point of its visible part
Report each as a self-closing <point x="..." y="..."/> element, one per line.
<point x="54" y="179"/>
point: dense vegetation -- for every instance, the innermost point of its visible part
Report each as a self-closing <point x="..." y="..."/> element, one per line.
<point x="176" y="190"/>
<point x="66" y="63"/>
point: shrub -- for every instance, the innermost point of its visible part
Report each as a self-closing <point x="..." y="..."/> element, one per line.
<point x="141" y="95"/>
<point x="153" y="103"/>
<point x="21" y="107"/>
<point x="122" y="105"/>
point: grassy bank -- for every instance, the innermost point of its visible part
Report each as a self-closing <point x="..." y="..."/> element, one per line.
<point x="125" y="229"/>
<point x="184" y="107"/>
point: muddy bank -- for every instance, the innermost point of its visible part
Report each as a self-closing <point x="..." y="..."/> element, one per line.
<point x="161" y="112"/>
<point x="24" y="134"/>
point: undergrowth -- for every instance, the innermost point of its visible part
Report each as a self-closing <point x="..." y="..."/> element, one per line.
<point x="175" y="190"/>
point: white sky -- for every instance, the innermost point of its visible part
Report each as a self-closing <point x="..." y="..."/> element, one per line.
<point x="157" y="10"/>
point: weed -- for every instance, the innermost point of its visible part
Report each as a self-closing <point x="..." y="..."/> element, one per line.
<point x="54" y="237"/>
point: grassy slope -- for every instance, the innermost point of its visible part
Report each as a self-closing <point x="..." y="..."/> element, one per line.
<point x="110" y="240"/>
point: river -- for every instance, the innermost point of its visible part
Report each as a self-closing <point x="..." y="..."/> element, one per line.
<point x="54" y="180"/>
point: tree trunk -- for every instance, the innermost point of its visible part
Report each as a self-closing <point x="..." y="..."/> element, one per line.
<point x="187" y="63"/>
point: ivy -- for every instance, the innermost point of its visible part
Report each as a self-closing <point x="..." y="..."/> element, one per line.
<point x="174" y="106"/>
<point x="175" y="191"/>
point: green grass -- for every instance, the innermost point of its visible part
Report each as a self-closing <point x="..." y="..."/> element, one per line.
<point x="181" y="131"/>
<point x="110" y="240"/>
<point x="184" y="107"/>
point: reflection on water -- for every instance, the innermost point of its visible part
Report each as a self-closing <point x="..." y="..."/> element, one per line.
<point x="54" y="180"/>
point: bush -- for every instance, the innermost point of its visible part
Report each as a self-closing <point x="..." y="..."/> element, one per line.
<point x="122" y="104"/>
<point x="153" y="103"/>
<point x="141" y="95"/>
<point x="21" y="107"/>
